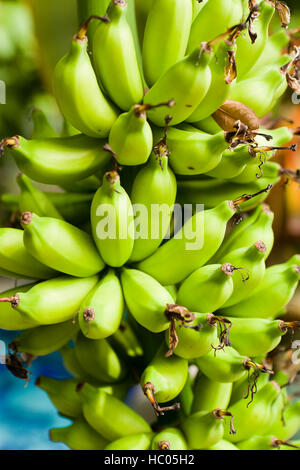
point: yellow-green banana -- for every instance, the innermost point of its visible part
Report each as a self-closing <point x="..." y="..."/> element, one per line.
<point x="101" y="311"/>
<point x="78" y="436"/>
<point x="63" y="395"/>
<point x="169" y="439"/>
<point x="166" y="36"/>
<point x="60" y="245"/>
<point x="140" y="441"/>
<point x="78" y="94"/>
<point x="10" y="318"/>
<point x="209" y="394"/>
<point x="112" y="221"/>
<point x="115" y="58"/>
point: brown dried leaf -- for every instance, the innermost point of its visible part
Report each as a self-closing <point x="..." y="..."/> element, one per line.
<point x="284" y="13"/>
<point x="230" y="69"/>
<point x="232" y="111"/>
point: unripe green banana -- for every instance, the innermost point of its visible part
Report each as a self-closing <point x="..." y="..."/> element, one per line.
<point x="223" y="445"/>
<point x="232" y="164"/>
<point x="169" y="439"/>
<point x="227" y="366"/>
<point x="240" y="388"/>
<point x="208" y="125"/>
<point x="78" y="94"/>
<point x="214" y="18"/>
<point x="220" y="84"/>
<point x="250" y="264"/>
<point x="99" y="359"/>
<point x="43" y="340"/>
<point x="87" y="185"/>
<point x="60" y="245"/>
<point x="257" y="226"/>
<point x="34" y="200"/>
<point x="63" y="395"/>
<point x="164" y="378"/>
<point x="58" y="160"/>
<point x="112" y="221"/>
<point x="259" y="92"/>
<point x="197" y="6"/>
<point x="256" y="336"/>
<point x="287" y="429"/>
<point x="10" y="318"/>
<point x="109" y="416"/>
<point x="207" y="288"/>
<point x="156" y="205"/>
<point x="204" y="429"/>
<point x="53" y="301"/>
<point x="187" y="250"/>
<point x="173" y="290"/>
<point x="126" y="339"/>
<point x="256" y="416"/>
<point x="248" y="53"/>
<point x="72" y="365"/>
<point x="133" y="442"/>
<point x="270" y="296"/>
<point x="16" y="260"/>
<point x="146" y="299"/>
<point x="212" y="192"/>
<point x="142" y="9"/>
<point x="115" y="58"/>
<point x="78" y="436"/>
<point x="131" y="137"/>
<point x="186" y="82"/>
<point x="195" y="339"/>
<point x="268" y="442"/>
<point x="193" y="152"/>
<point x="101" y="311"/>
<point x="186" y="397"/>
<point x="166" y="36"/>
<point x="41" y="126"/>
<point x="209" y="395"/>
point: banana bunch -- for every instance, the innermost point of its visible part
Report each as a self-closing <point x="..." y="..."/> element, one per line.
<point x="133" y="281"/>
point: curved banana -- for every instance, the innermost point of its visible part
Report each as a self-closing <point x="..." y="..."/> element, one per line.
<point x="10" y="318"/>
<point x="58" y="160"/>
<point x="78" y="436"/>
<point x="209" y="394"/>
<point x="166" y="36"/>
<point x="169" y="439"/>
<point x="63" y="395"/>
<point x="115" y="58"/>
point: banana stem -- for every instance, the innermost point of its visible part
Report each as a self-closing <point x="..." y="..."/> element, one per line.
<point x="88" y="8"/>
<point x="164" y="445"/>
<point x="14" y="300"/>
<point x="83" y="30"/>
<point x="149" y="391"/>
<point x="220" y="414"/>
<point x="247" y="197"/>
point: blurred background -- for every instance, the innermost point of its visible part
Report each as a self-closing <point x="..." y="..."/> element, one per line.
<point x="34" y="34"/>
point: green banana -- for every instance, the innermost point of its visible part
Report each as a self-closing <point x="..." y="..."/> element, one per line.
<point x="214" y="18"/>
<point x="99" y="359"/>
<point x="207" y="288"/>
<point x="78" y="436"/>
<point x="16" y="261"/>
<point x="101" y="311"/>
<point x="197" y="6"/>
<point x="11" y="319"/>
<point x="270" y="296"/>
<point x="187" y="250"/>
<point x="126" y="339"/>
<point x="209" y="395"/>
<point x="257" y="226"/>
<point x="287" y="429"/>
<point x="78" y="94"/>
<point x="204" y="429"/>
<point x="132" y="442"/>
<point x="154" y="207"/>
<point x="223" y="445"/>
<point x="227" y="366"/>
<point x="256" y="416"/>
<point x="268" y="442"/>
<point x="232" y="164"/>
<point x="193" y="152"/>
<point x="115" y="58"/>
<point x="63" y="395"/>
<point x="166" y="36"/>
<point x="220" y="84"/>
<point x="112" y="221"/>
<point x="146" y="299"/>
<point x="212" y="192"/>
<point x="87" y="185"/>
<point x="195" y="339"/>
<point x="256" y="336"/>
<point x="43" y="340"/>
<point x="250" y="264"/>
<point x="240" y="388"/>
<point x="109" y="416"/>
<point x="53" y="301"/>
<point x="259" y="92"/>
<point x="164" y="378"/>
<point x="58" y="160"/>
<point x="34" y="200"/>
<point x="60" y="245"/>
<point x="142" y="9"/>
<point x="72" y="365"/>
<point x="41" y="126"/>
<point x="186" y="82"/>
<point x="248" y="53"/>
<point x="169" y="439"/>
<point x="186" y="397"/>
<point x="131" y="137"/>
<point x="208" y="125"/>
